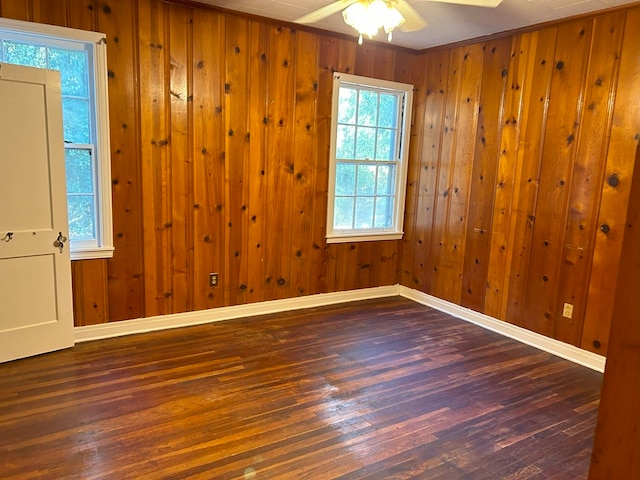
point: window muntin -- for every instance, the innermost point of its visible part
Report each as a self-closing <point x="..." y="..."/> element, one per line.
<point x="368" y="158"/>
<point x="81" y="59"/>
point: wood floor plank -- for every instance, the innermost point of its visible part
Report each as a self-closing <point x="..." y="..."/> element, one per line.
<point x="376" y="389"/>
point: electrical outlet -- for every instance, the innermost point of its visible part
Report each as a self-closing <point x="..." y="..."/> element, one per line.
<point x="567" y="311"/>
<point x="213" y="279"/>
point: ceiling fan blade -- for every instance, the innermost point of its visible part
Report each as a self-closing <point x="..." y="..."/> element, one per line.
<point x="324" y="12"/>
<point x="475" y="3"/>
<point x="412" y="19"/>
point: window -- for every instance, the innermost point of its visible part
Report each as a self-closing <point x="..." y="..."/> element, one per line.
<point x="369" y="153"/>
<point x="81" y="59"/>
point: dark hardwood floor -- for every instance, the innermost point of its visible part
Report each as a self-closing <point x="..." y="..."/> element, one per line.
<point x="369" y="390"/>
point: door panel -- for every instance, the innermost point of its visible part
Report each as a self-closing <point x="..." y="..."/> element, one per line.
<point x="28" y="274"/>
<point x="35" y="270"/>
<point x="22" y="115"/>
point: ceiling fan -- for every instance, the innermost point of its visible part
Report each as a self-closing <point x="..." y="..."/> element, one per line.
<point x="368" y="16"/>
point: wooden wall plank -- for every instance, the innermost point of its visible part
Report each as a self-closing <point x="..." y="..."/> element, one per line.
<point x="623" y="139"/>
<point x="305" y="161"/>
<point x="615" y="450"/>
<point x="208" y="156"/>
<point x="156" y="166"/>
<point x="126" y="282"/>
<point x="236" y="159"/>
<point x="446" y="165"/>
<point x="496" y="79"/>
<point x="413" y="71"/>
<point x="587" y="175"/>
<point x="506" y="185"/>
<point x="259" y="45"/>
<point x="565" y="104"/>
<point x="436" y="80"/>
<point x="538" y="58"/>
<point x="318" y="254"/>
<point x="90" y="294"/>
<point x="45" y="11"/>
<point x="16" y="9"/>
<point x="280" y="164"/>
<point x="83" y="14"/>
<point x="465" y="128"/>
<point x="180" y="164"/>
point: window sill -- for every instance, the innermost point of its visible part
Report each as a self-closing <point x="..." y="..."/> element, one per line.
<point x="92" y="253"/>
<point x="364" y="237"/>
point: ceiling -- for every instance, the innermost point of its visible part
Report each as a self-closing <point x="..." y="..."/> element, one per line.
<point x="447" y="23"/>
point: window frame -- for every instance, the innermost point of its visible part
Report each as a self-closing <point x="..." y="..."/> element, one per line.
<point x="405" y="91"/>
<point x="95" y="44"/>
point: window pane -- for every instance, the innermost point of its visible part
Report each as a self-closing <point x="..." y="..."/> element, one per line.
<point x="364" y="212"/>
<point x="385" y="148"/>
<point x="384" y="212"/>
<point x="366" y="180"/>
<point x="25" y="54"/>
<point x="345" y="179"/>
<point x="367" y="108"/>
<point x="368" y="167"/>
<point x="347" y="105"/>
<point x="79" y="171"/>
<point x="72" y="65"/>
<point x="345" y="141"/>
<point x="76" y="120"/>
<point x="386" y="180"/>
<point x="343" y="213"/>
<point x="388" y="110"/>
<point x="366" y="143"/>
<point x="81" y="215"/>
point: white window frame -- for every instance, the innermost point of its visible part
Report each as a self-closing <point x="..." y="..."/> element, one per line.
<point x="395" y="232"/>
<point x="96" y="44"/>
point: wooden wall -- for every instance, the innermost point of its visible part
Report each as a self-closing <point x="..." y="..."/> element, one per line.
<point x="220" y="140"/>
<point x="518" y="198"/>
<point x="522" y="150"/>
<point x="616" y="449"/>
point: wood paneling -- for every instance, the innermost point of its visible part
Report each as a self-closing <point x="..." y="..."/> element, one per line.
<point x="616" y="450"/>
<point x="540" y="127"/>
<point x="90" y="300"/>
<point x="237" y="139"/>
<point x="305" y="163"/>
<point x="16" y="9"/>
<point x="534" y="61"/>
<point x="220" y="148"/>
<point x="587" y="173"/>
<point x="421" y="248"/>
<point x="220" y="143"/>
<point x="483" y="176"/>
<point x="126" y="282"/>
<point x="256" y="169"/>
<point x="208" y="157"/>
<point x="608" y="230"/>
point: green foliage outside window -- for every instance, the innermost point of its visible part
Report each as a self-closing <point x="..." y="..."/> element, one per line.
<point x="366" y="154"/>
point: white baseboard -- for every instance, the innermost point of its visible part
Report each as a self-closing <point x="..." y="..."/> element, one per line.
<point x="163" y="322"/>
<point x="550" y="345"/>
<point x="175" y="320"/>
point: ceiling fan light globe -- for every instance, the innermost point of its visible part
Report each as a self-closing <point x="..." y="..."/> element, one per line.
<point x="392" y="19"/>
<point x="357" y="16"/>
<point x="368" y="16"/>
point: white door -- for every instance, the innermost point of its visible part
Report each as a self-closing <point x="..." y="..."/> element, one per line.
<point x="36" y="314"/>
